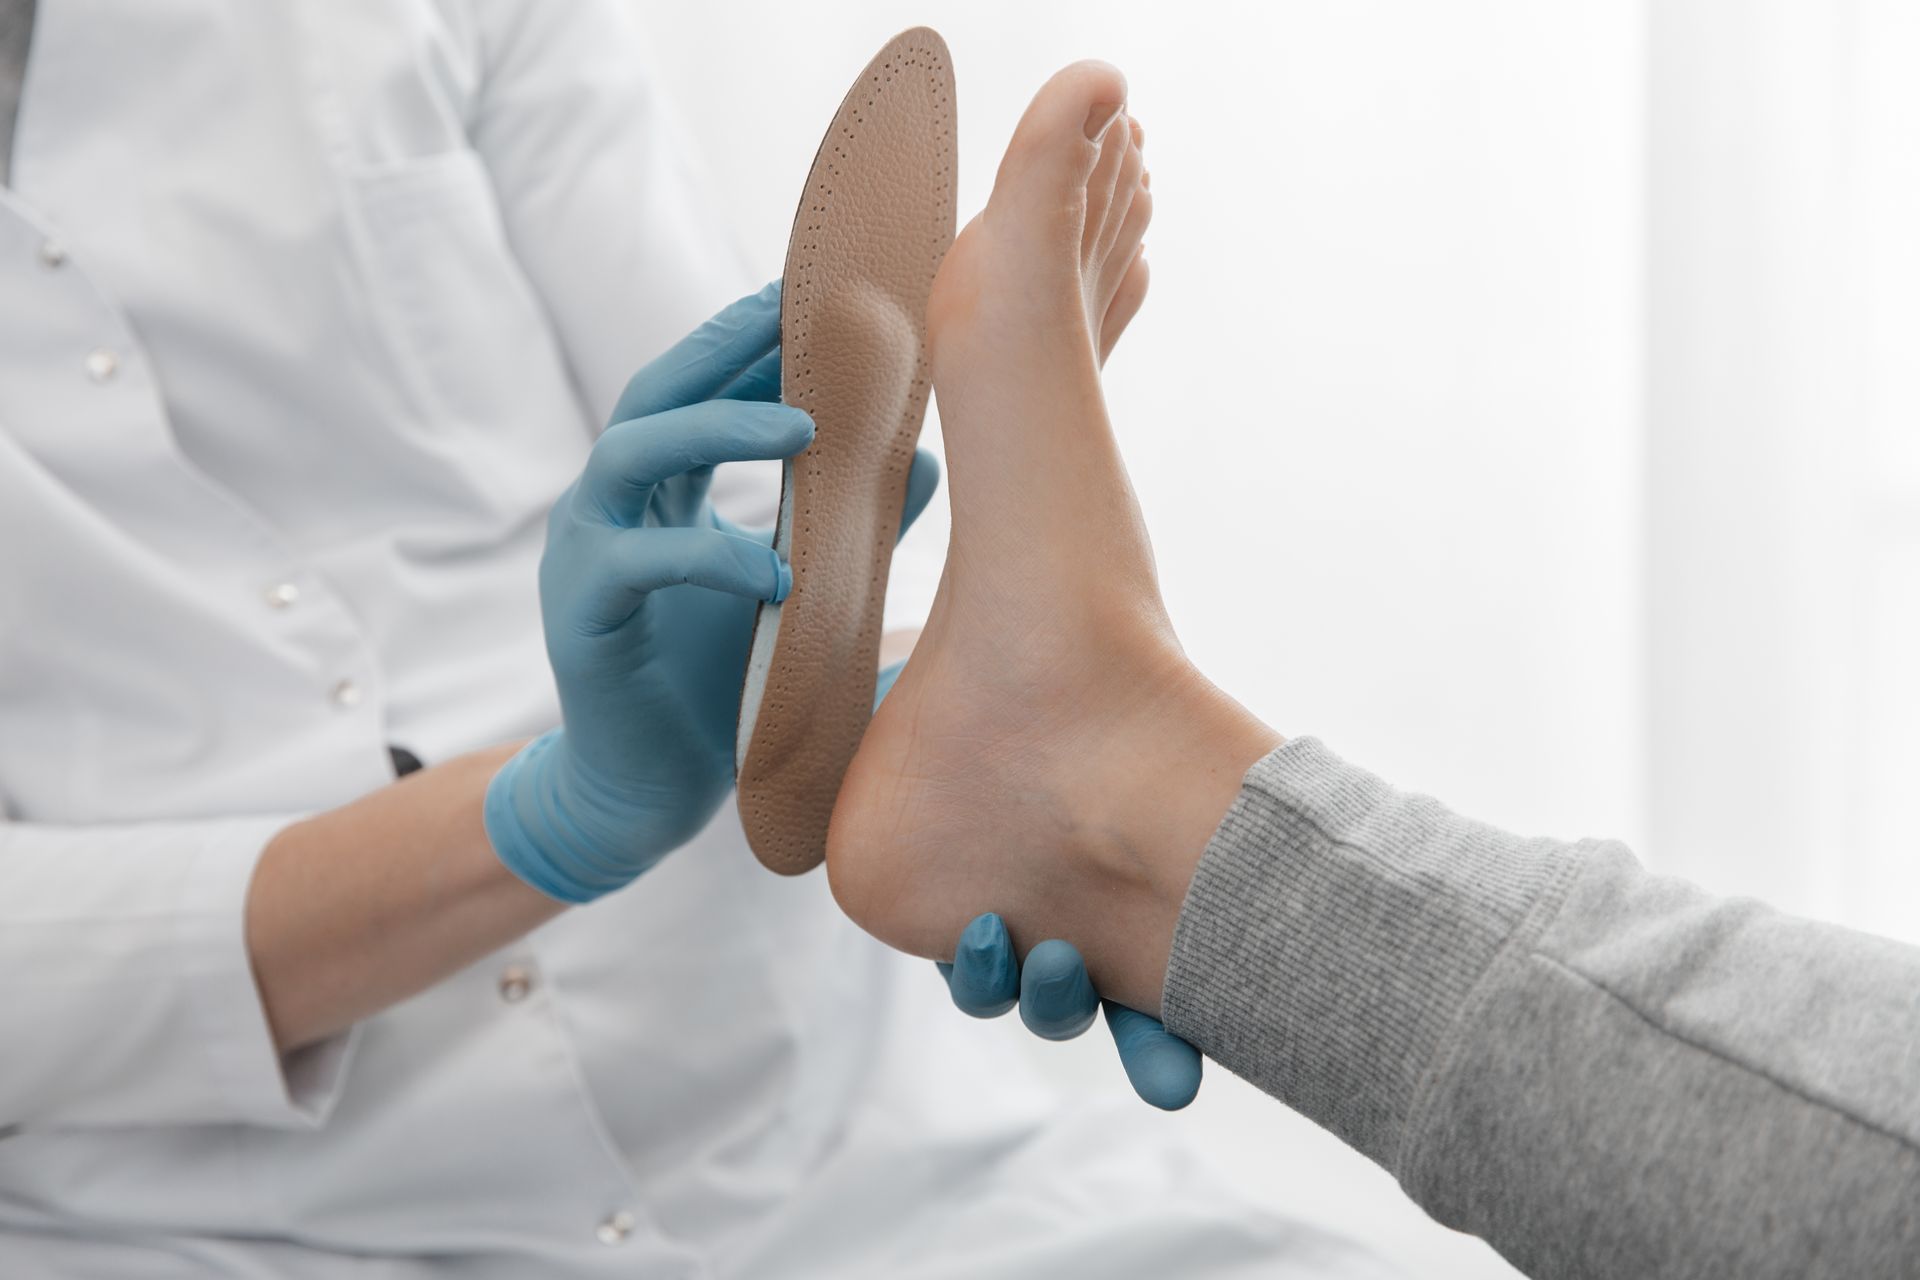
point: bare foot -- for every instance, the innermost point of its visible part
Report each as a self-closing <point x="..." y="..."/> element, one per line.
<point x="1015" y="763"/>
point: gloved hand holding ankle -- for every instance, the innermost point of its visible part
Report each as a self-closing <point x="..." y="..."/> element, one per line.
<point x="648" y="600"/>
<point x="1057" y="1001"/>
<point x="1055" y="994"/>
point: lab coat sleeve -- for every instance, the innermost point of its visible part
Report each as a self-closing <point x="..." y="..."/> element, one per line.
<point x="602" y="204"/>
<point x="126" y="993"/>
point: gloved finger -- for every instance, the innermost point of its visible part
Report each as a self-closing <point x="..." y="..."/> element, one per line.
<point x="679" y="499"/>
<point x="1057" y="1000"/>
<point x="631" y="457"/>
<point x="1163" y="1068"/>
<point x="762" y="536"/>
<point x="883" y="683"/>
<point x="760" y="381"/>
<point x="922" y="479"/>
<point x="640" y="561"/>
<point x="984" y="978"/>
<point x="700" y="364"/>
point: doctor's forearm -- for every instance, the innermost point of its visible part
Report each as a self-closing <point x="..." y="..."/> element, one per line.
<point x="360" y="907"/>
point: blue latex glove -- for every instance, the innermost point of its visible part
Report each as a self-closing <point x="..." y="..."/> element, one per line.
<point x="648" y="601"/>
<point x="1057" y="1001"/>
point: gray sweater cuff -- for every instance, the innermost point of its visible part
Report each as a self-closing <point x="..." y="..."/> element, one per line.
<point x="1335" y="930"/>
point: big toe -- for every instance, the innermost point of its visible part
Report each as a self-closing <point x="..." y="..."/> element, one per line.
<point x="1057" y="141"/>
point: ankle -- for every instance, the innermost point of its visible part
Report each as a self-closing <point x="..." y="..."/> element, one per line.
<point x="1168" y="768"/>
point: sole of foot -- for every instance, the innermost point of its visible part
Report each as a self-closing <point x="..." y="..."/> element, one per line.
<point x="984" y="780"/>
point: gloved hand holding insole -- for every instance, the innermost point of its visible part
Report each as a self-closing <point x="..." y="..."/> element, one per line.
<point x="648" y="601"/>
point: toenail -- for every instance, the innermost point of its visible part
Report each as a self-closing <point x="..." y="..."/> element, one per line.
<point x="1102" y="117"/>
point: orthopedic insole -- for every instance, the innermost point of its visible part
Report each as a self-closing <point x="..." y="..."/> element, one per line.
<point x="875" y="218"/>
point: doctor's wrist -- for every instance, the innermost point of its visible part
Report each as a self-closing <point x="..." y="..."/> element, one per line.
<point x="548" y="827"/>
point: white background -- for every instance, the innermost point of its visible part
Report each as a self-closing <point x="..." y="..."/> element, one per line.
<point x="1525" y="405"/>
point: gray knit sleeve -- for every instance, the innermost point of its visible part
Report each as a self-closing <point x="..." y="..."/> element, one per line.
<point x="1599" y="1071"/>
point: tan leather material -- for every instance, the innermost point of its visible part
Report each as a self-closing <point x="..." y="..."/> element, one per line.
<point x="875" y="218"/>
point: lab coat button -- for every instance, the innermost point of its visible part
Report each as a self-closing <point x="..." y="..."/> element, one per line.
<point x="282" y="595"/>
<point x="615" y="1229"/>
<point x="346" y="695"/>
<point x="516" y="981"/>
<point x="53" y="255"/>
<point x="102" y="364"/>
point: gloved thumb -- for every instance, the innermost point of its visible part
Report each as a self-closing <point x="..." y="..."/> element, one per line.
<point x="922" y="479"/>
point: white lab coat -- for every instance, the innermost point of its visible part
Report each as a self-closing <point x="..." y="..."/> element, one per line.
<point x="308" y="309"/>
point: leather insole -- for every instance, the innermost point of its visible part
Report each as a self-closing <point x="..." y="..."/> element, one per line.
<point x="875" y="218"/>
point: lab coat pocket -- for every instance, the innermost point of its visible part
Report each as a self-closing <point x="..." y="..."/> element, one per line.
<point x="472" y="339"/>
